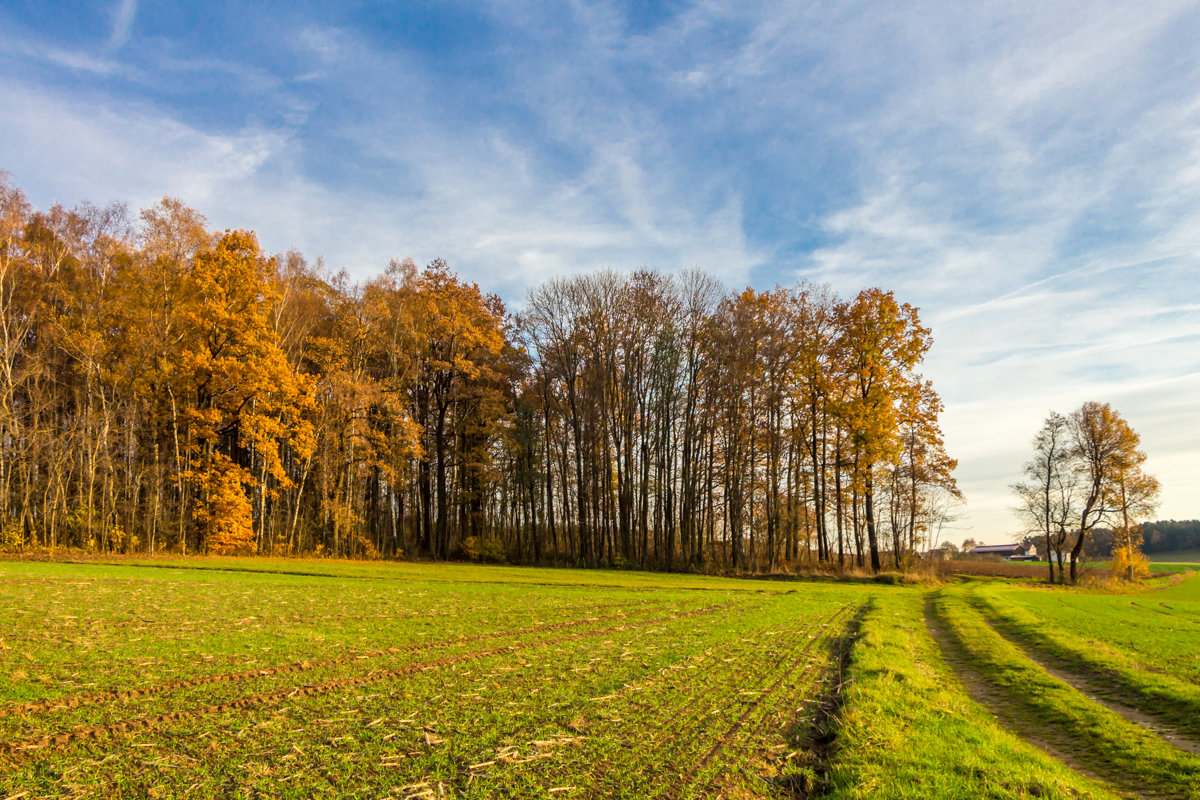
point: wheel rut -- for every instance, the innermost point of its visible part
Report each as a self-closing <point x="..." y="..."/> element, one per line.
<point x="797" y="660"/>
<point x="1096" y="690"/>
<point x="1056" y="742"/>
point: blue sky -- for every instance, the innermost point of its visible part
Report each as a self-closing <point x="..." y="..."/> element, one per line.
<point x="1028" y="174"/>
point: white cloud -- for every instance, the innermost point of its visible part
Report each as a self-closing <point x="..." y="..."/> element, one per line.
<point x="1028" y="175"/>
<point x="75" y="149"/>
<point x="485" y="203"/>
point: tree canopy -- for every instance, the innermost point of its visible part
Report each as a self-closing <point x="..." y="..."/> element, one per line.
<point x="166" y="386"/>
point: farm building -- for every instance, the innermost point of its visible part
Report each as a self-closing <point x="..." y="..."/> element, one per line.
<point x="1009" y="552"/>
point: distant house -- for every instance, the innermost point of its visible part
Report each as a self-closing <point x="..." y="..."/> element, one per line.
<point x="1009" y="552"/>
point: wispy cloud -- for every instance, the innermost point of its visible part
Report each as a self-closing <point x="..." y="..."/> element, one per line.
<point x="123" y="15"/>
<point x="133" y="150"/>
<point x="1042" y="220"/>
<point x="23" y="48"/>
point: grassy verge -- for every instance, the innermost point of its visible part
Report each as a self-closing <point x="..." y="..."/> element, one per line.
<point x="1191" y="557"/>
<point x="1099" y="738"/>
<point x="903" y="711"/>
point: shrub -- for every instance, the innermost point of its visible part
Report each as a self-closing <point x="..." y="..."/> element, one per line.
<point x="1130" y="563"/>
<point x="12" y="536"/>
<point x="488" y="549"/>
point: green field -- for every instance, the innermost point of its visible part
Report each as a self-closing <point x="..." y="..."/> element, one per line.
<point x="1178" y="557"/>
<point x="218" y="678"/>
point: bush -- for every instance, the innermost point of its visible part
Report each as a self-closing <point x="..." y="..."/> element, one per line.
<point x="488" y="549"/>
<point x="1129" y="563"/>
<point x="12" y="536"/>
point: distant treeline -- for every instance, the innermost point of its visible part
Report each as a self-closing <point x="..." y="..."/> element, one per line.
<point x="1163" y="536"/>
<point x="1169" y="536"/>
<point x="166" y="387"/>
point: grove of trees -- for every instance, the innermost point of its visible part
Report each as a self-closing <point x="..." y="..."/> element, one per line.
<point x="163" y="386"/>
<point x="1086" y="470"/>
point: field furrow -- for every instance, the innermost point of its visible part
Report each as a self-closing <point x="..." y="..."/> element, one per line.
<point x="121" y="681"/>
<point x="97" y="731"/>
<point x="783" y="668"/>
<point x="71" y="702"/>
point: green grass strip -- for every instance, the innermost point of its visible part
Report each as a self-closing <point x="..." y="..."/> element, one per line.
<point x="1099" y="738"/>
<point x="909" y="730"/>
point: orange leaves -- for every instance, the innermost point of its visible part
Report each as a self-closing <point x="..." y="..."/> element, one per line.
<point x="242" y="395"/>
<point x="223" y="511"/>
<point x="881" y="342"/>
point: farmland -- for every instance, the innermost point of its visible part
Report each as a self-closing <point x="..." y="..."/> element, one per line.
<point x="1177" y="557"/>
<point x="291" y="678"/>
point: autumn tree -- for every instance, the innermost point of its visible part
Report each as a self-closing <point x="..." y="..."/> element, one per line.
<point x="1105" y="449"/>
<point x="243" y="400"/>
<point x="1134" y="496"/>
<point x="883" y="341"/>
<point x="1087" y="470"/>
<point x="165" y="386"/>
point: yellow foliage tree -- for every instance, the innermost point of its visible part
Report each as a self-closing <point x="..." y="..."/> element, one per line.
<point x="1129" y="562"/>
<point x="1135" y="494"/>
<point x="224" y="512"/>
<point x="245" y="401"/>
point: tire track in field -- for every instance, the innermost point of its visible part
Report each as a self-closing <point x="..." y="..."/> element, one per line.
<point x="62" y="704"/>
<point x="1091" y="686"/>
<point x="788" y="651"/>
<point x="839" y="657"/>
<point x="676" y="724"/>
<point x="1170" y="612"/>
<point x="820" y="733"/>
<point x="1052" y="741"/>
<point x="667" y="679"/>
<point x="725" y="739"/>
<point x="157" y="720"/>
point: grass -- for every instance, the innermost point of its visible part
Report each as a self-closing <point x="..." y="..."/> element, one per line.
<point x="1120" y="677"/>
<point x="1178" y="557"/>
<point x="300" y="678"/>
<point x="465" y="681"/>
<point x="909" y="730"/>
<point x="1039" y="570"/>
<point x="1155" y="629"/>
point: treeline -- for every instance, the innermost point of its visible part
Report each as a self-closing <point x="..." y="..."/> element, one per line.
<point x="1170" y="536"/>
<point x="1162" y="536"/>
<point x="166" y="387"/>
